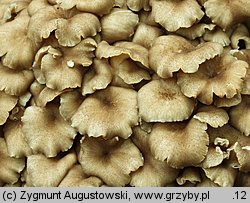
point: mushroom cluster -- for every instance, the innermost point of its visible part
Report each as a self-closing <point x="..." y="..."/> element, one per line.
<point x="124" y="93"/>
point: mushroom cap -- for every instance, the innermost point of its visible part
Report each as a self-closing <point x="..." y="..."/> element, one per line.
<point x="182" y="13"/>
<point x="189" y="175"/>
<point x="69" y="25"/>
<point x="118" y="25"/>
<point x="10" y="167"/>
<point x="17" y="50"/>
<point x="146" y="34"/>
<point x="240" y="115"/>
<point x="54" y="134"/>
<point x="224" y="174"/>
<point x="98" y="7"/>
<point x="218" y="36"/>
<point x="195" y="31"/>
<point x="162" y="101"/>
<point x="153" y="173"/>
<point x="180" y="144"/>
<point x="77" y="178"/>
<point x="110" y="112"/>
<point x="227" y="102"/>
<point x="69" y="103"/>
<point x="15" y="82"/>
<point x="111" y="160"/>
<point x="17" y="146"/>
<point x="240" y="35"/>
<point x="129" y="60"/>
<point x="243" y="156"/>
<point x="171" y="53"/>
<point x="214" y="157"/>
<point x="7" y="103"/>
<point x="48" y="172"/>
<point x="10" y="8"/>
<point x="98" y="76"/>
<point x="222" y="76"/>
<point x="214" y="116"/>
<point x="234" y="11"/>
<point x="137" y="5"/>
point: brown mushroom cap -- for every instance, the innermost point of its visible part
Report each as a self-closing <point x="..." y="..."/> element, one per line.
<point x="69" y="25"/>
<point x="170" y="141"/>
<point x="172" y="53"/>
<point x="77" y="178"/>
<point x="7" y="103"/>
<point x="48" y="172"/>
<point x="240" y="115"/>
<point x="54" y="134"/>
<point x="163" y="101"/>
<point x="153" y="173"/>
<point x="99" y="7"/>
<point x="222" y="76"/>
<point x="218" y="36"/>
<point x="112" y="160"/>
<point x="214" y="157"/>
<point x="182" y="13"/>
<point x="17" y="50"/>
<point x="118" y="25"/>
<point x="10" y="167"/>
<point x="108" y="113"/>
<point x="214" y="116"/>
<point x="233" y="11"/>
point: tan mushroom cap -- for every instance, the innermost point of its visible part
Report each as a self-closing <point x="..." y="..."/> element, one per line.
<point x="69" y="103"/>
<point x="240" y="34"/>
<point x="7" y="103"/>
<point x="218" y="36"/>
<point x="48" y="172"/>
<point x="131" y="50"/>
<point x="206" y="182"/>
<point x="69" y="26"/>
<point x="77" y="178"/>
<point x="222" y="76"/>
<point x="234" y="11"/>
<point x="15" y="82"/>
<point x="227" y="102"/>
<point x="214" y="157"/>
<point x="189" y="175"/>
<point x="17" y="50"/>
<point x="111" y="160"/>
<point x="62" y="67"/>
<point x="224" y="174"/>
<point x="162" y="101"/>
<point x="118" y="25"/>
<point x="213" y="116"/>
<point x="137" y="5"/>
<point x="10" y="8"/>
<point x="98" y="77"/>
<point x="182" y="13"/>
<point x="245" y="56"/>
<point x="108" y="113"/>
<point x="171" y="141"/>
<point x="243" y="156"/>
<point x="146" y="34"/>
<point x="153" y="173"/>
<point x="240" y="115"/>
<point x="36" y="5"/>
<point x="54" y="134"/>
<point x="10" y="167"/>
<point x="17" y="146"/>
<point x="99" y="7"/>
<point x="171" y="53"/>
<point x="195" y="31"/>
